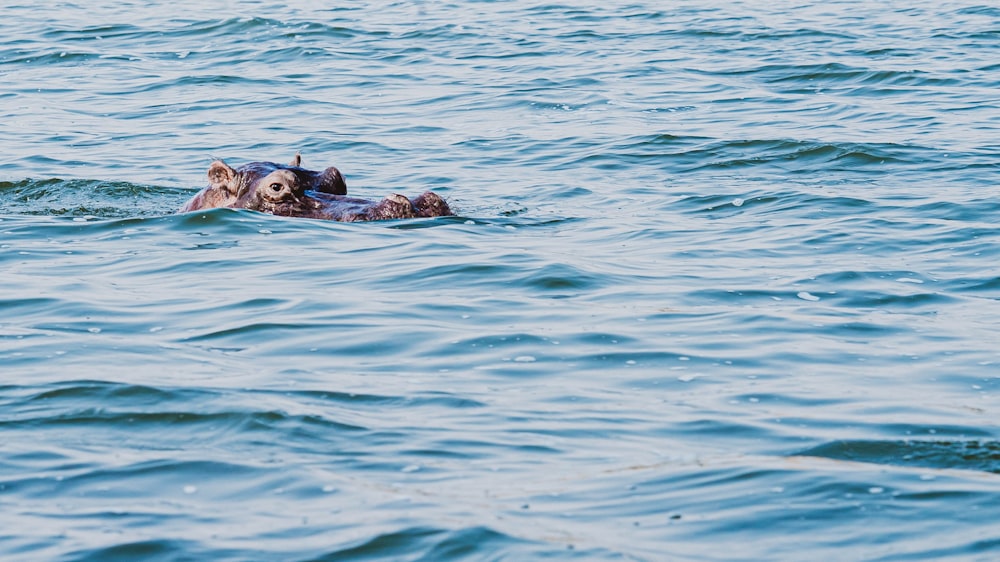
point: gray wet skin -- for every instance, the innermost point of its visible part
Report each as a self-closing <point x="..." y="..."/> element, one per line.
<point x="293" y="191"/>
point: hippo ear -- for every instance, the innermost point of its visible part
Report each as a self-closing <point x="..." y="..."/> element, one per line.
<point x="220" y="174"/>
<point x="332" y="181"/>
<point x="297" y="160"/>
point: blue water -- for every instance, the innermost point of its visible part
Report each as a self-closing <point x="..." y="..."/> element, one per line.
<point x="723" y="282"/>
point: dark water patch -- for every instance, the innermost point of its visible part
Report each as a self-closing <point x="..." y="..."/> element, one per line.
<point x="598" y="337"/>
<point x="886" y="52"/>
<point x="987" y="287"/>
<point x="791" y="400"/>
<point x="19" y="306"/>
<point x="221" y="245"/>
<point x="335" y="397"/>
<point x="898" y="302"/>
<point x="430" y="543"/>
<point x="957" y="433"/>
<point x="863" y="289"/>
<point x="798" y="34"/>
<point x="638" y="358"/>
<point x="512" y="219"/>
<point x="443" y="400"/>
<point x="102" y="391"/>
<point x="700" y="203"/>
<point x="418" y="224"/>
<point x="834" y="76"/>
<point x="471" y="542"/>
<point x="467" y="449"/>
<point x="292" y="28"/>
<point x="564" y="281"/>
<point x="901" y="281"/>
<point x="139" y="408"/>
<point x="721" y="431"/>
<point x="389" y="544"/>
<point x="220" y="422"/>
<point x="795" y="156"/>
<point x="685" y="507"/>
<point x="866" y="277"/>
<point x="53" y="57"/>
<point x="212" y="222"/>
<point x="196" y="426"/>
<point x="786" y="207"/>
<point x="506" y="341"/>
<point x="251" y="332"/>
<point x="789" y="156"/>
<point x="975" y="548"/>
<point x="971" y="454"/>
<point x="136" y="479"/>
<point x="219" y="81"/>
<point x="509" y="268"/>
<point x="153" y="550"/>
<point x="963" y="211"/>
<point x="991" y="11"/>
<point x="867" y="330"/>
<point x="93" y="32"/>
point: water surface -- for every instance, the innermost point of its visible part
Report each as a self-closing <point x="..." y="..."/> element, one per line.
<point x="722" y="284"/>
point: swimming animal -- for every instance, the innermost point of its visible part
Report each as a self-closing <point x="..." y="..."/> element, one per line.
<point x="293" y="191"/>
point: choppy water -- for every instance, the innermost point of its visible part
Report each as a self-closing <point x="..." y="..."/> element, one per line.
<point x="723" y="284"/>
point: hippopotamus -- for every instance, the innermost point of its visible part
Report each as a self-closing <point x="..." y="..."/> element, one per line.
<point x="293" y="191"/>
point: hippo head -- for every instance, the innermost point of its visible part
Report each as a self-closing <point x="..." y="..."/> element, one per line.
<point x="292" y="191"/>
<point x="268" y="187"/>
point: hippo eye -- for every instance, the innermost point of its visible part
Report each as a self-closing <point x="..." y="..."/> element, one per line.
<point x="275" y="186"/>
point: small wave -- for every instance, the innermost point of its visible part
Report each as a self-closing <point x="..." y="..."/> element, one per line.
<point x="985" y="286"/>
<point x="153" y="549"/>
<point x="403" y="542"/>
<point x="87" y="198"/>
<point x="187" y="414"/>
<point x="83" y="33"/>
<point x="433" y="544"/>
<point x="126" y="393"/>
<point x="839" y="75"/>
<point x="792" y="156"/>
<point x="786" y="156"/>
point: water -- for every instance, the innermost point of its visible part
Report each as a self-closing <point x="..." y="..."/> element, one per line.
<point x="723" y="283"/>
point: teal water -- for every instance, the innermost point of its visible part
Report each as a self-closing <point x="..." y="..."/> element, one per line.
<point x="723" y="283"/>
